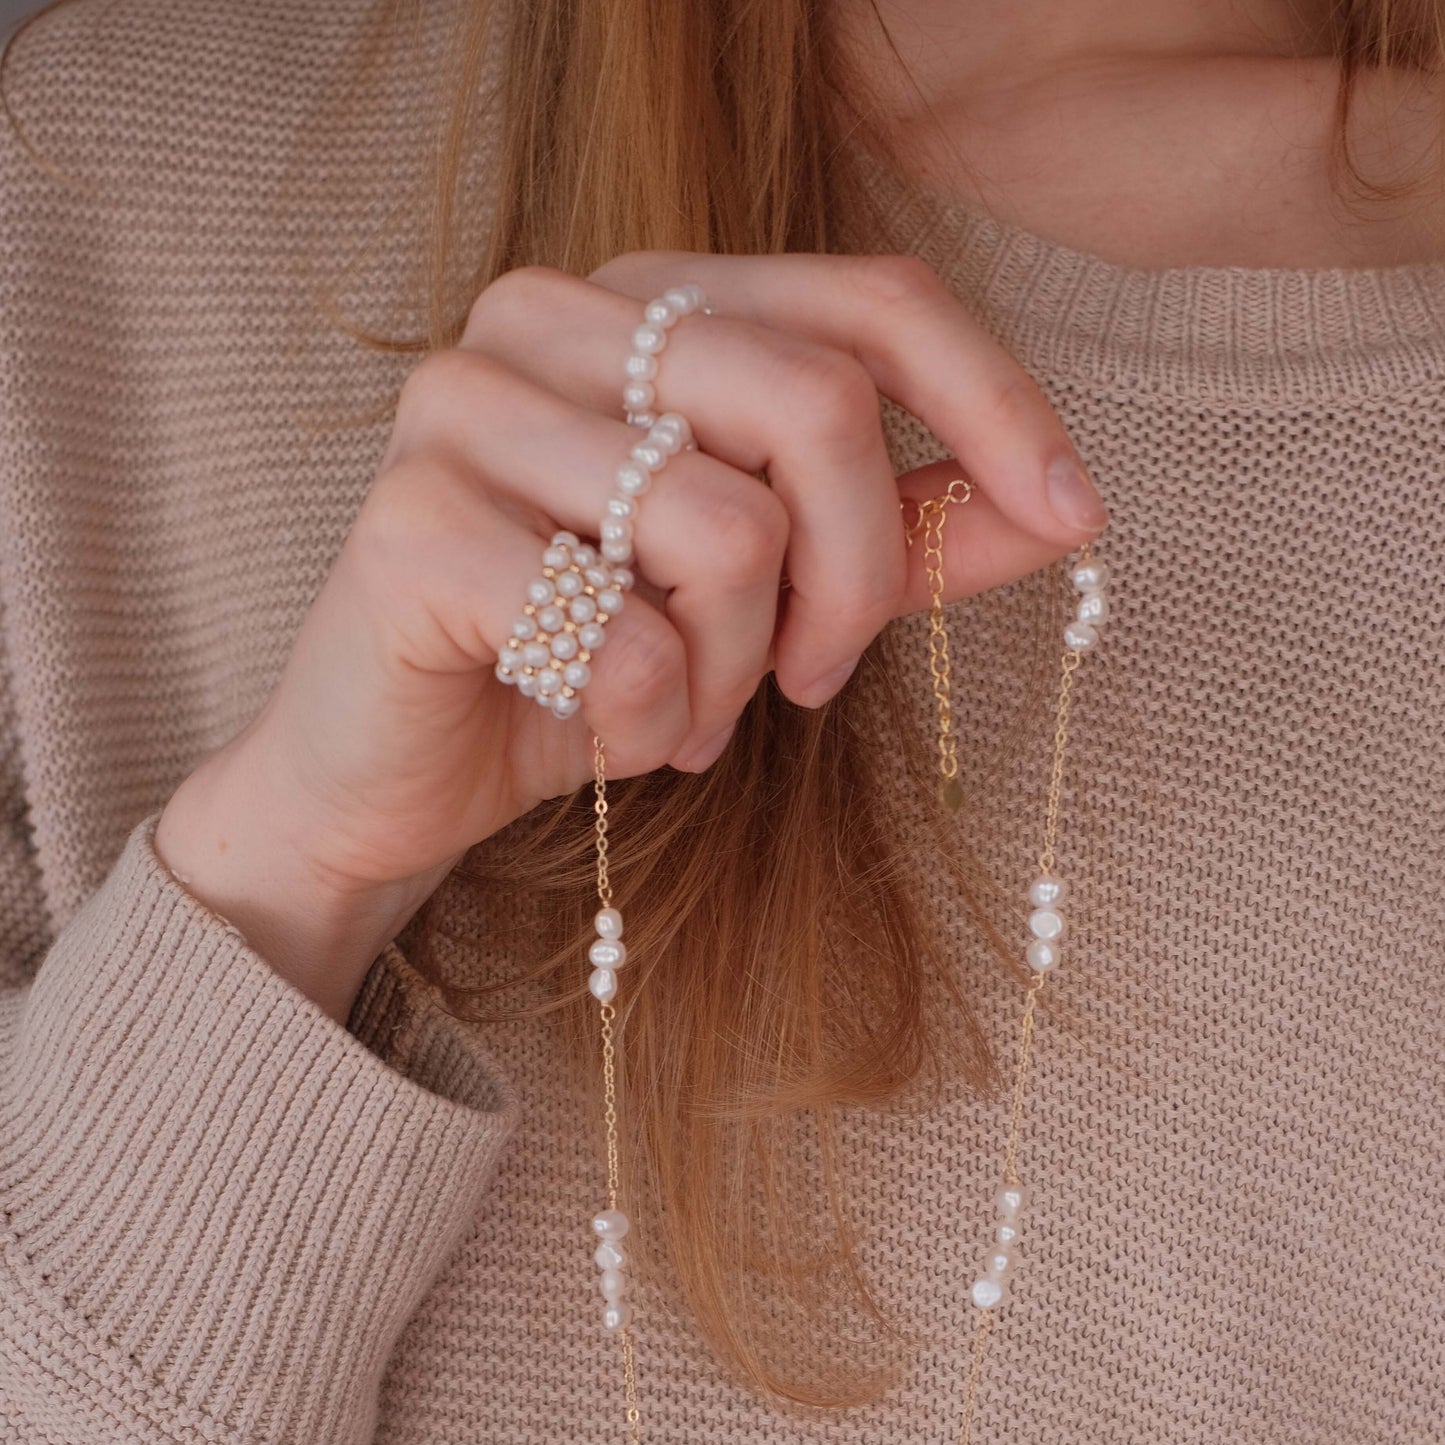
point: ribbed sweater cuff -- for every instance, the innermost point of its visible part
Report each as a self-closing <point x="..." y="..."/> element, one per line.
<point x="212" y="1187"/>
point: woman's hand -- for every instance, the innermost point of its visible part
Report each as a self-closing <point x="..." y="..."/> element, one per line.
<point x="388" y="747"/>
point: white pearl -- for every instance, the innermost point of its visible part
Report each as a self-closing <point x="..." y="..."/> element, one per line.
<point x="643" y="419"/>
<point x="564" y="646"/>
<point x="599" y="576"/>
<point x="621" y="506"/>
<point x="526" y="684"/>
<point x="610" y="1224"/>
<point x="1042" y="955"/>
<point x="1093" y="607"/>
<point x="622" y="578"/>
<point x="536" y="654"/>
<point x="665" y="437"/>
<point x="613" y="1284"/>
<point x="617" y="550"/>
<point x="999" y="1262"/>
<point x="681" y="299"/>
<point x="646" y="454"/>
<point x="602" y="984"/>
<point x="637" y="395"/>
<point x="675" y="422"/>
<point x="564" y="707"/>
<point x="564" y="538"/>
<point x="649" y="339"/>
<point x="608" y="923"/>
<point x="660" y="312"/>
<point x="614" y="529"/>
<point x="609" y="600"/>
<point x="549" y="681"/>
<point x="585" y="555"/>
<point x="1080" y="636"/>
<point x="1047" y="890"/>
<point x="1089" y="576"/>
<point x="1006" y="1233"/>
<point x="504" y="673"/>
<point x="540" y="591"/>
<point x="550" y="618"/>
<point x="641" y="368"/>
<point x="582" y="609"/>
<point x="556" y="557"/>
<point x="569" y="584"/>
<point x="510" y="656"/>
<point x="1046" y="923"/>
<point x="1010" y="1201"/>
<point x="610" y="1255"/>
<point x="542" y="697"/>
<point x="987" y="1292"/>
<point x="607" y="953"/>
<point x="614" y="1316"/>
<point x="576" y="674"/>
<point x="632" y="480"/>
<point x="524" y="627"/>
<point x="591" y="635"/>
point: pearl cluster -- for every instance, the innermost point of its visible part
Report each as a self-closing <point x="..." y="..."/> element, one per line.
<point x="991" y="1287"/>
<point x="610" y="1228"/>
<point x="1046" y="921"/>
<point x="607" y="954"/>
<point x="1088" y="577"/>
<point x="548" y="654"/>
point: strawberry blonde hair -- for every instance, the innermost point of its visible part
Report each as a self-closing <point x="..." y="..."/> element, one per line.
<point x="787" y="962"/>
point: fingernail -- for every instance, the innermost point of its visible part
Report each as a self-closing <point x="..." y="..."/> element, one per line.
<point x="1073" y="497"/>
<point x="824" y="687"/>
<point x="709" y="752"/>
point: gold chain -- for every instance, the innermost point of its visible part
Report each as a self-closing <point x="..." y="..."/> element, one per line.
<point x="929" y="521"/>
<point x="609" y="1079"/>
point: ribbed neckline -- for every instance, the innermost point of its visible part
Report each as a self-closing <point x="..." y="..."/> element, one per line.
<point x="1226" y="333"/>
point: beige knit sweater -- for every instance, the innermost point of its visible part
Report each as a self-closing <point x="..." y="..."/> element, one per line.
<point x="228" y="1219"/>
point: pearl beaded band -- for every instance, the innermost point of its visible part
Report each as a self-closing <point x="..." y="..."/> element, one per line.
<point x="581" y="586"/>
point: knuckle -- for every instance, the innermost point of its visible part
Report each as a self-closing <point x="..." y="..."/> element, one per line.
<point x="744" y="528"/>
<point x="830" y="391"/>
<point x="514" y="294"/>
<point x="892" y="280"/>
<point x="446" y="383"/>
<point x="1015" y="397"/>
<point x="409" y="512"/>
<point x="644" y="664"/>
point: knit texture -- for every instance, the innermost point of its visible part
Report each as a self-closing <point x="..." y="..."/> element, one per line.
<point x="227" y="1218"/>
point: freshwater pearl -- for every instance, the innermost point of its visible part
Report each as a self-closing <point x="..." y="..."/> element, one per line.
<point x="1089" y="576"/>
<point x="551" y="617"/>
<point x="1047" y="890"/>
<point x="641" y="368"/>
<point x="638" y="395"/>
<point x="649" y="339"/>
<point x="510" y="656"/>
<point x="1046" y="923"/>
<point x="610" y="1224"/>
<point x="632" y="480"/>
<point x="987" y="1292"/>
<point x="621" y="507"/>
<point x="564" y="646"/>
<point x="504" y="673"/>
<point x="660" y="434"/>
<point x="569" y="584"/>
<point x="1006" y="1233"/>
<point x="614" y="1316"/>
<point x="541" y="591"/>
<point x="609" y="600"/>
<point x="536" y="654"/>
<point x="549" y="681"/>
<point x="1093" y="607"/>
<point x="602" y="985"/>
<point x="585" y="555"/>
<point x="649" y="455"/>
<point x="524" y="627"/>
<point x="1042" y="955"/>
<point x="684" y="299"/>
<point x="613" y="1284"/>
<point x="616" y="550"/>
<point x="591" y="635"/>
<point x="1010" y="1201"/>
<point x="564" y="538"/>
<point x="608" y="953"/>
<point x="565" y="706"/>
<point x="557" y="557"/>
<point x="643" y="419"/>
<point x="526" y="685"/>
<point x="675" y="422"/>
<point x="576" y="674"/>
<point x="582" y="609"/>
<point x="599" y="576"/>
<point x="610" y="1255"/>
<point x="660" y="312"/>
<point x="615" y="529"/>
<point x="622" y="578"/>
<point x="1080" y="636"/>
<point x="608" y="923"/>
<point x="998" y="1262"/>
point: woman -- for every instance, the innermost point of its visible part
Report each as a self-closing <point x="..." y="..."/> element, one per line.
<point x="289" y="1156"/>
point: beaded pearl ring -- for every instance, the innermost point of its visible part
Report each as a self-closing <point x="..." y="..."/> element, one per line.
<point x="581" y="587"/>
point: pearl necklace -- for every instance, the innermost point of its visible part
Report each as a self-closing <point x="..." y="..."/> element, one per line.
<point x="600" y="598"/>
